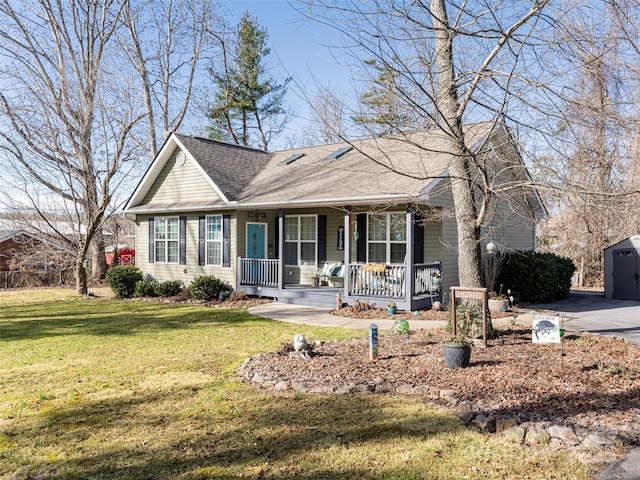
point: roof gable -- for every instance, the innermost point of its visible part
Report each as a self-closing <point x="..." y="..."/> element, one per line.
<point x="225" y="168"/>
<point x="391" y="169"/>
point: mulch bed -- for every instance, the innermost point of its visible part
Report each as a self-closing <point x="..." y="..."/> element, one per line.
<point x="593" y="384"/>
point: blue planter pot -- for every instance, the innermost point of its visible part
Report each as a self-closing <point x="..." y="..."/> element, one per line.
<point x="392" y="310"/>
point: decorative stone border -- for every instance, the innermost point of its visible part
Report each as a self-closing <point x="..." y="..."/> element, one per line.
<point x="543" y="433"/>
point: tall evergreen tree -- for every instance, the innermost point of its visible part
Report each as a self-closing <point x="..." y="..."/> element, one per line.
<point x="248" y="106"/>
<point x="383" y="111"/>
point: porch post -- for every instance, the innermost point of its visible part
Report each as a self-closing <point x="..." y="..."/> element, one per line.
<point x="408" y="274"/>
<point x="347" y="253"/>
<point x="280" y="246"/>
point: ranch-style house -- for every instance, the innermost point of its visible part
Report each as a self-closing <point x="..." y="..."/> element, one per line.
<point x="371" y="219"/>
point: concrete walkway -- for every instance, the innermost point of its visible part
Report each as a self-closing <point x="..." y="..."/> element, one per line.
<point x="322" y="318"/>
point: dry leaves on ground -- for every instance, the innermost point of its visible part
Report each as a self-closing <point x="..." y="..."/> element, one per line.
<point x="594" y="383"/>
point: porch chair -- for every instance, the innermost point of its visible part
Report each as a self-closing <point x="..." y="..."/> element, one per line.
<point x="331" y="273"/>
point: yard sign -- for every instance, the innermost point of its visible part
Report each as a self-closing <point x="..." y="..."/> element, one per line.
<point x="545" y="329"/>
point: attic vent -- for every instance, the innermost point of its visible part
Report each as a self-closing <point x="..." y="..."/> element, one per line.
<point x="340" y="152"/>
<point x="292" y="158"/>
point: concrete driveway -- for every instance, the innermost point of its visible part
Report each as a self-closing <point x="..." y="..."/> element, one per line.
<point x="591" y="312"/>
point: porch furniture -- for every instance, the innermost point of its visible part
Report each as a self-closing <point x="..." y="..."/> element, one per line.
<point x="331" y="274"/>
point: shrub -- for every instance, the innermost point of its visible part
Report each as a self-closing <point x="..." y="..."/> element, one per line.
<point x="538" y="277"/>
<point x="122" y="280"/>
<point x="170" y="288"/>
<point x="146" y="288"/>
<point x="207" y="287"/>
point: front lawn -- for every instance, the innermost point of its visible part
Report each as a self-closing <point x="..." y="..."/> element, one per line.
<point x="104" y="389"/>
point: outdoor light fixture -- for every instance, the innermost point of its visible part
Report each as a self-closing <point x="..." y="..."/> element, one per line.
<point x="491" y="247"/>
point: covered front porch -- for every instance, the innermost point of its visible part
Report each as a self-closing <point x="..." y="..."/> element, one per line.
<point x="416" y="290"/>
<point x="377" y="257"/>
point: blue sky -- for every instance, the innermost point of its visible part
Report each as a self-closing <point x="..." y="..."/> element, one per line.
<point x="299" y="49"/>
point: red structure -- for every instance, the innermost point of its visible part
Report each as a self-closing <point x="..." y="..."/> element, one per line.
<point x="126" y="256"/>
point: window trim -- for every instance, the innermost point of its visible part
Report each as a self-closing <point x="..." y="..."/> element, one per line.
<point x="388" y="241"/>
<point x="166" y="240"/>
<point x="299" y="240"/>
<point x="207" y="261"/>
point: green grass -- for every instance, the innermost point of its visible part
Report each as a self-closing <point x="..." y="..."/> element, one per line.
<point x="104" y="389"/>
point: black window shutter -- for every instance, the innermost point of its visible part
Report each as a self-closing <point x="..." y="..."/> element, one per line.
<point x="276" y="240"/>
<point x="418" y="238"/>
<point x="226" y="240"/>
<point x="152" y="241"/>
<point x="322" y="239"/>
<point x="182" y="241"/>
<point x="361" y="243"/>
<point x="201" y="239"/>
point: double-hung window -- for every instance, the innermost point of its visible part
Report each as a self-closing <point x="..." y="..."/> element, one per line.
<point x="214" y="239"/>
<point x="386" y="238"/>
<point x="300" y="240"/>
<point x="167" y="239"/>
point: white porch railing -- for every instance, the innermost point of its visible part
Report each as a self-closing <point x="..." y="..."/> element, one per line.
<point x="386" y="283"/>
<point x="424" y="282"/>
<point x="259" y="272"/>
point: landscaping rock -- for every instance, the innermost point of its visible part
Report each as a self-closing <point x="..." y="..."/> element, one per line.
<point x="384" y="388"/>
<point x="564" y="434"/>
<point x="465" y="411"/>
<point x="537" y="436"/>
<point x="365" y="388"/>
<point x="485" y="423"/>
<point x="281" y="386"/>
<point x="621" y="440"/>
<point x="405" y="389"/>
<point x="595" y="440"/>
<point x="514" y="434"/>
<point x="505" y="422"/>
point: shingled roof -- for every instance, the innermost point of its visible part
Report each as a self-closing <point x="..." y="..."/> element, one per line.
<point x="230" y="167"/>
<point x="390" y="169"/>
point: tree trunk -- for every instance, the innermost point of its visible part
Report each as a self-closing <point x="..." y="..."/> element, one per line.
<point x="469" y="267"/>
<point x="98" y="258"/>
<point x="81" y="276"/>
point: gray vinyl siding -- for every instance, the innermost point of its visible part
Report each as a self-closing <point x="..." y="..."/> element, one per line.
<point x="180" y="183"/>
<point x="433" y="241"/>
<point x="163" y="271"/>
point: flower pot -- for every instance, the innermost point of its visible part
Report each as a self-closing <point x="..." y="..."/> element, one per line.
<point x="457" y="356"/>
<point x="498" y="305"/>
<point x="436" y="282"/>
<point x="392" y="310"/>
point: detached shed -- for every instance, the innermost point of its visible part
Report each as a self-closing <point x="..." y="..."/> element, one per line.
<point x="622" y="269"/>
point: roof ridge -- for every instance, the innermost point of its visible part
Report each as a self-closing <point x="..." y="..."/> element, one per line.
<point x="224" y="144"/>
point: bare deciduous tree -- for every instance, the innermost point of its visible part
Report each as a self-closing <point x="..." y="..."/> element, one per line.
<point x="451" y="64"/>
<point x="79" y="84"/>
<point x="328" y="124"/>
<point x="66" y="116"/>
<point x="166" y="41"/>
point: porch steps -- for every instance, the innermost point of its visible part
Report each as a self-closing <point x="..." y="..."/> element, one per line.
<point x="324" y="297"/>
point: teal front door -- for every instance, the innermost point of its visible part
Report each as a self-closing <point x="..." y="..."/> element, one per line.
<point x="256" y="238"/>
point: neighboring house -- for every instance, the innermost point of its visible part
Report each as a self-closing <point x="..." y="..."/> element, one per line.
<point x="372" y="219"/>
<point x="17" y="247"/>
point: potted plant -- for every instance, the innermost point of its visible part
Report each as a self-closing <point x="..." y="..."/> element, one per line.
<point x="457" y="351"/>
<point x="392" y="308"/>
<point x="436" y="278"/>
<point x="498" y="302"/>
<point x="223" y="295"/>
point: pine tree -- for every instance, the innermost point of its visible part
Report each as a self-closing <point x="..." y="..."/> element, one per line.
<point x="248" y="106"/>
